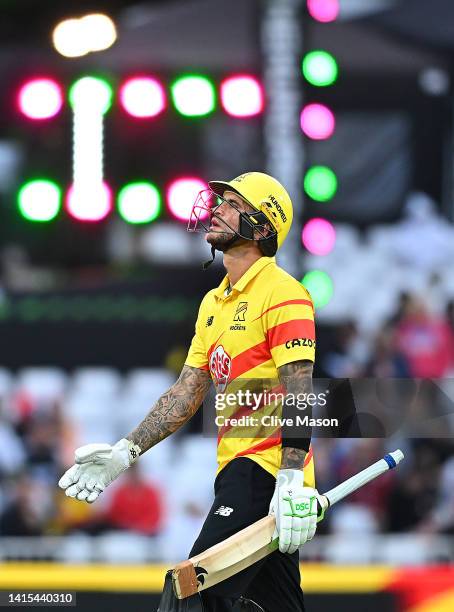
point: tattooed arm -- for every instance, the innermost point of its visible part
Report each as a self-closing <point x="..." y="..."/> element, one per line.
<point x="172" y="409"/>
<point x="296" y="377"/>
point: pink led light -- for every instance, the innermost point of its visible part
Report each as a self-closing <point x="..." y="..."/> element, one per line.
<point x="317" y="121"/>
<point x="91" y="205"/>
<point x="323" y="10"/>
<point x="241" y="96"/>
<point x="40" y="99"/>
<point x="142" y="97"/>
<point x="319" y="236"/>
<point x="181" y="195"/>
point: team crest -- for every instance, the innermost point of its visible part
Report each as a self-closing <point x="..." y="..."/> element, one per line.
<point x="220" y="366"/>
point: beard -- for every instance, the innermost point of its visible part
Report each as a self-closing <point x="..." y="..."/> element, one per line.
<point x="221" y="241"/>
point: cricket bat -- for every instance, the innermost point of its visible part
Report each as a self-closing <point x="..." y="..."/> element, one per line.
<point x="256" y="541"/>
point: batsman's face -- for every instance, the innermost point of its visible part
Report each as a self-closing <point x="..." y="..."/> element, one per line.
<point x="225" y="220"/>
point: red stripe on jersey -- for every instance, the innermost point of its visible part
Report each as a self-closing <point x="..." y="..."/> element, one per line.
<point x="298" y="328"/>
<point x="250" y="358"/>
<point x="264" y="445"/>
<point x="287" y="303"/>
<point x="308" y="457"/>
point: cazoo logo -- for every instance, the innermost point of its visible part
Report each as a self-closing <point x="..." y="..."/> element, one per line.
<point x="220" y="365"/>
<point x="300" y="342"/>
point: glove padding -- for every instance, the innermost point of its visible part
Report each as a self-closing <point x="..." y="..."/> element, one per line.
<point x="295" y="509"/>
<point x="96" y="466"/>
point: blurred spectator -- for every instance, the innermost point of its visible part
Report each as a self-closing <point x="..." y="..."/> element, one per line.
<point x="414" y="498"/>
<point x="136" y="505"/>
<point x="450" y="314"/>
<point x="30" y="511"/>
<point x="41" y="433"/>
<point x="387" y="360"/>
<point x="12" y="453"/>
<point x="375" y="496"/>
<point x="425" y="340"/>
<point x="442" y="517"/>
<point x="348" y="354"/>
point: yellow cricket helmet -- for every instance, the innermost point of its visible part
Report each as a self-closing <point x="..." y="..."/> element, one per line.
<point x="266" y="195"/>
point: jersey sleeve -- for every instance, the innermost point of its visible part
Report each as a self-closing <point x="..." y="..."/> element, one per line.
<point x="197" y="354"/>
<point x="288" y="322"/>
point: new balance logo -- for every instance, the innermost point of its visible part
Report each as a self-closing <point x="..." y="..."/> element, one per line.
<point x="224" y="511"/>
<point x="209" y="321"/>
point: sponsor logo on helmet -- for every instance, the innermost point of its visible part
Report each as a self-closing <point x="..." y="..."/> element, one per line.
<point x="278" y="208"/>
<point x="220" y="365"/>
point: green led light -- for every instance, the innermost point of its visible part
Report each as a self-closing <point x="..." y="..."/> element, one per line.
<point x="139" y="202"/>
<point x="91" y="94"/>
<point x="193" y="95"/>
<point x="320" y="183"/>
<point x="320" y="286"/>
<point x="39" y="200"/>
<point x="320" y="68"/>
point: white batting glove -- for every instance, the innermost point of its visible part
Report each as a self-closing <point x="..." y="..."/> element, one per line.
<point x="96" y="466"/>
<point x="295" y="509"/>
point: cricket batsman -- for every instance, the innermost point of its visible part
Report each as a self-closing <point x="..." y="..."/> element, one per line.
<point x="258" y="325"/>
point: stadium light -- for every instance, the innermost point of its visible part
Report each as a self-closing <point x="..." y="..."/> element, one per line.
<point x="241" y="96"/>
<point x="317" y="121"/>
<point x="40" y="99"/>
<point x="319" y="236"/>
<point x="193" y="95"/>
<point x="91" y="203"/>
<point x="91" y="94"/>
<point x="79" y="36"/>
<point x="68" y="39"/>
<point x="181" y="195"/>
<point x="142" y="97"/>
<point x="139" y="202"/>
<point x="320" y="286"/>
<point x="39" y="200"/>
<point x="320" y="183"/>
<point x="99" y="31"/>
<point x="89" y="199"/>
<point x="320" y="68"/>
<point x="323" y="10"/>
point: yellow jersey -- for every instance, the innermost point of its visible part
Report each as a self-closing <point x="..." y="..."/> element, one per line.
<point x="265" y="321"/>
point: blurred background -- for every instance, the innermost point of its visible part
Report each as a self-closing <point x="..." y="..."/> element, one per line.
<point x="114" y="114"/>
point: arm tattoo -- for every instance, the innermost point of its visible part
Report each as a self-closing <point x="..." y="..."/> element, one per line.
<point x="296" y="377"/>
<point x="173" y="408"/>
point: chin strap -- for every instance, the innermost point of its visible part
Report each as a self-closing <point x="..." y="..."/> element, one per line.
<point x="210" y="261"/>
